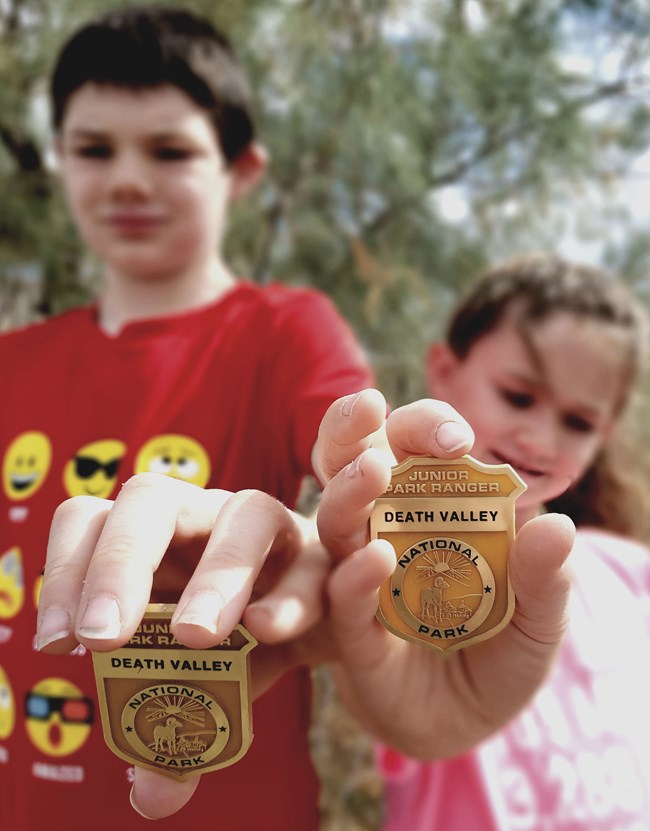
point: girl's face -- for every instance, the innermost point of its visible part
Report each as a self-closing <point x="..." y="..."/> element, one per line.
<point x="145" y="178"/>
<point x="543" y="404"/>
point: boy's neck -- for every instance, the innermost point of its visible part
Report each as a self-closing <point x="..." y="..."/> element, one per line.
<point x="125" y="300"/>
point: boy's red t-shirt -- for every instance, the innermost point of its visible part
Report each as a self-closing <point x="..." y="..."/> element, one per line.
<point x="233" y="392"/>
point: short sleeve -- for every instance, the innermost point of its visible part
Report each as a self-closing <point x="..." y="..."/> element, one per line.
<point x="318" y="360"/>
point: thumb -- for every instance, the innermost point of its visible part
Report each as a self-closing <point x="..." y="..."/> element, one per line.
<point x="155" y="796"/>
<point x="540" y="583"/>
<point x="512" y="665"/>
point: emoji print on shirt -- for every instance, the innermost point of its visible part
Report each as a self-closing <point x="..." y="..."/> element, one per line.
<point x="177" y="456"/>
<point x="93" y="469"/>
<point x="38" y="585"/>
<point x="12" y="583"/>
<point x="26" y="465"/>
<point x="58" y="716"/>
<point x="7" y="708"/>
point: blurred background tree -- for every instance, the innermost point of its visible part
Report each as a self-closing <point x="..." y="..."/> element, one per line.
<point x="412" y="142"/>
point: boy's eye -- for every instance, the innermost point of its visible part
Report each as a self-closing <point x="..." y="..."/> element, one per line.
<point x="522" y="400"/>
<point x="578" y="424"/>
<point x="94" y="151"/>
<point x="171" y="154"/>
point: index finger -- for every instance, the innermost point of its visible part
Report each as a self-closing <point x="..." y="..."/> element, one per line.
<point x="346" y="431"/>
<point x="428" y="427"/>
<point x="102" y="556"/>
<point x="347" y="503"/>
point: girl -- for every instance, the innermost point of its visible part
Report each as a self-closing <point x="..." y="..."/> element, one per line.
<point x="541" y="359"/>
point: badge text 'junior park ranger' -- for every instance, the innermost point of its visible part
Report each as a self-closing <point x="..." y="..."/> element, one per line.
<point x="173" y="709"/>
<point x="451" y="524"/>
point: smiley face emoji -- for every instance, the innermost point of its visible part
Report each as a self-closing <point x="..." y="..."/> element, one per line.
<point x="93" y="469"/>
<point x="177" y="456"/>
<point x="12" y="583"/>
<point x="26" y="464"/>
<point x="7" y="707"/>
<point x="58" y="716"/>
<point x="38" y="585"/>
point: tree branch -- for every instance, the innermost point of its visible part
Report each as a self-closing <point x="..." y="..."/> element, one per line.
<point x="494" y="141"/>
<point x="24" y="151"/>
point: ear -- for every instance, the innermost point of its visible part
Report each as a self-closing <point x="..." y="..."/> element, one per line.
<point x="609" y="431"/>
<point x="441" y="364"/>
<point x="247" y="170"/>
<point x="56" y="152"/>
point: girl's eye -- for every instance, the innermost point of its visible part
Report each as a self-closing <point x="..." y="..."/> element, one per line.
<point x="578" y="424"/>
<point x="171" y="154"/>
<point x="521" y="400"/>
<point x="94" y="151"/>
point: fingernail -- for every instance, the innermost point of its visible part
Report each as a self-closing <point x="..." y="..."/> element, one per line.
<point x="134" y="804"/>
<point x="55" y="624"/>
<point x="349" y="402"/>
<point x="354" y="468"/>
<point x="202" y="609"/>
<point x="101" y="619"/>
<point x="285" y="613"/>
<point x="451" y="436"/>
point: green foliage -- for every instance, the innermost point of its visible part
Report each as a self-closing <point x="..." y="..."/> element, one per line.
<point x="380" y="116"/>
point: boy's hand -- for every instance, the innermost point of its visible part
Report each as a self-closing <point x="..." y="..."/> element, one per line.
<point x="102" y="557"/>
<point x="100" y="567"/>
<point x="417" y="701"/>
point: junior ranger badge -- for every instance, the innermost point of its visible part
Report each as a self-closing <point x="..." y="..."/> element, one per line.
<point x="173" y="709"/>
<point x="451" y="523"/>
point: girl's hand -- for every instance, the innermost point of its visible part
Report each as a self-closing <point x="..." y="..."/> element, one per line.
<point x="422" y="703"/>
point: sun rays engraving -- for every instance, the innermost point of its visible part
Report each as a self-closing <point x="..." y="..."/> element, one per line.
<point x="447" y="563"/>
<point x="177" y="706"/>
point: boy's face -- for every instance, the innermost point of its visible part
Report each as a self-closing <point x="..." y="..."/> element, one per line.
<point x="544" y="404"/>
<point x="145" y="179"/>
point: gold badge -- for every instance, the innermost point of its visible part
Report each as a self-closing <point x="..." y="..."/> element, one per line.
<point x="451" y="524"/>
<point x="173" y="709"/>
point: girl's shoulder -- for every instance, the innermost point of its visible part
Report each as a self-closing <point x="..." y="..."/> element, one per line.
<point x="595" y="539"/>
<point x="610" y="559"/>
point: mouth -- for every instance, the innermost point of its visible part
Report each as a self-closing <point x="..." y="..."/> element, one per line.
<point x="526" y="471"/>
<point x="21" y="483"/>
<point x="93" y="492"/>
<point x="133" y="224"/>
<point x="54" y="735"/>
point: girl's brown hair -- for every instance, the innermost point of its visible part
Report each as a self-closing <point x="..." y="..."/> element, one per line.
<point x="613" y="493"/>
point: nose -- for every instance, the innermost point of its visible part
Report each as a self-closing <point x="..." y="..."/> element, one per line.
<point x="128" y="177"/>
<point x="538" y="440"/>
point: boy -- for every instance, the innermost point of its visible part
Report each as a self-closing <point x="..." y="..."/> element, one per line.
<point x="177" y="368"/>
<point x="216" y="383"/>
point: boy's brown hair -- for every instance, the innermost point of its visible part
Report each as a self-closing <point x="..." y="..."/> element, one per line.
<point x="148" y="46"/>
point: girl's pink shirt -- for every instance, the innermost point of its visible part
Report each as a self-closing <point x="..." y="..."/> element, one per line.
<point x="577" y="759"/>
